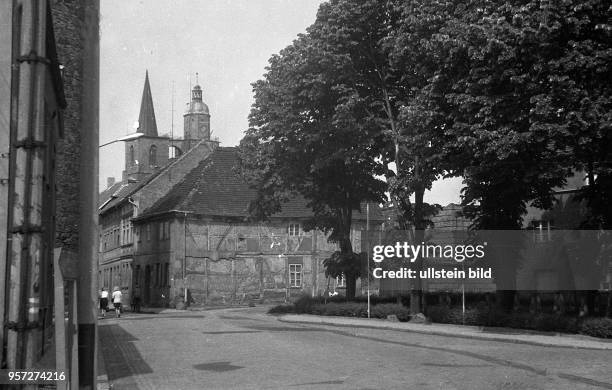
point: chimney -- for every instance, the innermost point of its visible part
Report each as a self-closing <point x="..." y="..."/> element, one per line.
<point x="109" y="182"/>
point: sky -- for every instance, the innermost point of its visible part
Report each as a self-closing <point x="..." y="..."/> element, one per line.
<point x="227" y="42"/>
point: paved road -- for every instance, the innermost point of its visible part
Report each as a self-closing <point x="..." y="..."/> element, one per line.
<point x="247" y="349"/>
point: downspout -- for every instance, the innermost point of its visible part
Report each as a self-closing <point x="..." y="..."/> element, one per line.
<point x="27" y="159"/>
<point x="10" y="30"/>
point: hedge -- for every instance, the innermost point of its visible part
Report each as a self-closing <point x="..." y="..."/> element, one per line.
<point x="596" y="327"/>
<point x="479" y="315"/>
<point x="308" y="305"/>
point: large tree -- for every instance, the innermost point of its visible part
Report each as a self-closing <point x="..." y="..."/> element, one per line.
<point x="386" y="78"/>
<point x="309" y="137"/>
<point x="523" y="86"/>
<point x="575" y="65"/>
<point x="488" y="52"/>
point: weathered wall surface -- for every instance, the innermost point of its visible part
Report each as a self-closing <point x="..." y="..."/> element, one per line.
<point x="67" y="19"/>
<point x="143" y="165"/>
<point x="233" y="262"/>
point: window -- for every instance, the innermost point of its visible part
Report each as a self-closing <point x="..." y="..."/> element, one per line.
<point x="295" y="275"/>
<point x="293" y="229"/>
<point x="138" y="233"/>
<point x="132" y="158"/>
<point x="153" y="156"/>
<point x="157" y="278"/>
<point x="137" y="276"/>
<point x="340" y="281"/>
<point x="164" y="230"/>
<point x="148" y="232"/>
<point x="123" y="232"/>
<point x="167" y="275"/>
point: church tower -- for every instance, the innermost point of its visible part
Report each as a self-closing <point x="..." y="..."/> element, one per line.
<point x="148" y="152"/>
<point x="196" y="120"/>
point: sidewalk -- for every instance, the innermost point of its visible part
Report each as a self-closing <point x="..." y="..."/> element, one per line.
<point x="448" y="330"/>
<point x="102" y="379"/>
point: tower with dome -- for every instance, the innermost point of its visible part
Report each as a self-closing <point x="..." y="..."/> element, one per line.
<point x="196" y="120"/>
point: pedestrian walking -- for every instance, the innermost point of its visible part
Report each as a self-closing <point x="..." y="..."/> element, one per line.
<point x="136" y="301"/>
<point x="117" y="301"/>
<point x="103" y="301"/>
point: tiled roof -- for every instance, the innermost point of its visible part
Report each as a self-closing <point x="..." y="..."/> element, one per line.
<point x="107" y="194"/>
<point x="214" y="188"/>
<point x="120" y="193"/>
<point x="122" y="190"/>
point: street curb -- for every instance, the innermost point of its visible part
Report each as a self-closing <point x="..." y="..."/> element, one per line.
<point x="166" y="310"/>
<point x="318" y="321"/>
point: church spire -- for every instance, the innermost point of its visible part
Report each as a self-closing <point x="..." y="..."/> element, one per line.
<point x="146" y="119"/>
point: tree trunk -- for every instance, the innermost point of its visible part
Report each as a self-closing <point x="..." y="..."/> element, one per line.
<point x="346" y="249"/>
<point x="351" y="284"/>
<point x="505" y="300"/>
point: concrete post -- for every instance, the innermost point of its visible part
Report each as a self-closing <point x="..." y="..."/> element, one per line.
<point x="88" y="196"/>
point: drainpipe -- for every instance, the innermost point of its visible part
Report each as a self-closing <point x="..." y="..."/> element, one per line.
<point x="8" y="84"/>
<point x="27" y="160"/>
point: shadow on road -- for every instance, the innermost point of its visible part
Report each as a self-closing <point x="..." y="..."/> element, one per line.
<point x="121" y="357"/>
<point x="232" y="332"/>
<point x="217" y="366"/>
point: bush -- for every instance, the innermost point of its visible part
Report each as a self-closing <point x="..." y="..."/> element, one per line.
<point x="338" y="306"/>
<point x="554" y="323"/>
<point x="385" y="309"/>
<point x="282" y="309"/>
<point x="349" y="309"/>
<point x="305" y="304"/>
<point x="439" y="314"/>
<point x="455" y="315"/>
<point x="482" y="315"/>
<point x="355" y="309"/>
<point x="596" y="327"/>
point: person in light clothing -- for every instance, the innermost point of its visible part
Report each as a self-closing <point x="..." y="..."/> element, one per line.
<point x="103" y="301"/>
<point x="117" y="301"/>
